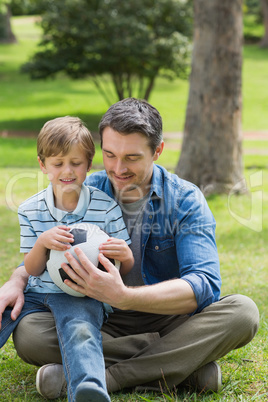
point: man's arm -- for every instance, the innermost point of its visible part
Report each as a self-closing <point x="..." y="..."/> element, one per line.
<point x="11" y="293"/>
<point x="170" y="297"/>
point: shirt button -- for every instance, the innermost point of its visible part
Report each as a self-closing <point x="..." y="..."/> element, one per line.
<point x="156" y="248"/>
<point x="144" y="275"/>
<point x="150" y="216"/>
<point x="142" y="245"/>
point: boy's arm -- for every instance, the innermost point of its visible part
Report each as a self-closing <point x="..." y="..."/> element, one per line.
<point x="57" y="238"/>
<point x="126" y="266"/>
<point x="35" y="260"/>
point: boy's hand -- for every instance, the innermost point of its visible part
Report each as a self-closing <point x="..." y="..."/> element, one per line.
<point x="56" y="238"/>
<point x="116" y="249"/>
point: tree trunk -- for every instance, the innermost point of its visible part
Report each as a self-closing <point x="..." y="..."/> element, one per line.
<point x="264" y="6"/>
<point x="6" y="34"/>
<point x="211" y="154"/>
<point x="149" y="88"/>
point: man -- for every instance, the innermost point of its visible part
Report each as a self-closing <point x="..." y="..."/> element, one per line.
<point x="169" y="323"/>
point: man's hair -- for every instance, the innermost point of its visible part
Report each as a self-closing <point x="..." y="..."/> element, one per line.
<point x="57" y="136"/>
<point x="133" y="115"/>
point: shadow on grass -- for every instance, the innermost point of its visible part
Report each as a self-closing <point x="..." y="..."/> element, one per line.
<point x="20" y="128"/>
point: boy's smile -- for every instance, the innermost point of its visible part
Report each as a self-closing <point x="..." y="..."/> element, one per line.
<point x="66" y="173"/>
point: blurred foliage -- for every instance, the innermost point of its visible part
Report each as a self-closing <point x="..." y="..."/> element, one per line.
<point x="253" y="7"/>
<point x="253" y="21"/>
<point x="132" y="41"/>
<point x="26" y="7"/>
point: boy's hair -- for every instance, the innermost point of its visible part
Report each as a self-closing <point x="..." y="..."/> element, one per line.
<point x="133" y="115"/>
<point x="57" y="136"/>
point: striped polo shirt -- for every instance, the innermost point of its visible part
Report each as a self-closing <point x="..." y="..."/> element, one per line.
<point x="38" y="214"/>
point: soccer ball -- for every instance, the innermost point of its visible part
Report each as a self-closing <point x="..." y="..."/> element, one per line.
<point x="88" y="238"/>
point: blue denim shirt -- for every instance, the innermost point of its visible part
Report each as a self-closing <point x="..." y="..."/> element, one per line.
<point x="178" y="235"/>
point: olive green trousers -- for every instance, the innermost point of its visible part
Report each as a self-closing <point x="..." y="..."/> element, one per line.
<point x="151" y="349"/>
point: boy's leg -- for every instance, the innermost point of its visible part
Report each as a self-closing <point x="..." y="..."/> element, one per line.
<point x="192" y="342"/>
<point x="78" y="323"/>
<point x="33" y="303"/>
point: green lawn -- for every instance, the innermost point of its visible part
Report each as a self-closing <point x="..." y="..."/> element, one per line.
<point x="26" y="105"/>
<point x="242" y="221"/>
<point x="242" y="233"/>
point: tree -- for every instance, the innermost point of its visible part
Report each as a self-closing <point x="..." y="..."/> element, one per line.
<point x="26" y="7"/>
<point x="264" y="7"/>
<point x="211" y="155"/>
<point x="6" y="34"/>
<point x="132" y="41"/>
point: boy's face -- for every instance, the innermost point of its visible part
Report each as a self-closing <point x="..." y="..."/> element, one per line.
<point x="68" y="172"/>
<point x="128" y="161"/>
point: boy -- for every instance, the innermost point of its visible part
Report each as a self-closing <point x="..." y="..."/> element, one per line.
<point x="65" y="151"/>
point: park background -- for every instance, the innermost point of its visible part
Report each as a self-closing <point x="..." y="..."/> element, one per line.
<point x="242" y="229"/>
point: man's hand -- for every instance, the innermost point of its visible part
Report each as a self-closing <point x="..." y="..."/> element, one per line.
<point x="170" y="297"/>
<point x="106" y="287"/>
<point x="11" y="293"/>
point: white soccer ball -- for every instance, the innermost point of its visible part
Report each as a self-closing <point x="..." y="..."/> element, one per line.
<point x="88" y="238"/>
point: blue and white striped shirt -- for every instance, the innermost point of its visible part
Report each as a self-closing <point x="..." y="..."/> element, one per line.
<point x="38" y="214"/>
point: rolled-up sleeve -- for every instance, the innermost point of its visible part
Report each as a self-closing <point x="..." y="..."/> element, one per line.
<point x="196" y="248"/>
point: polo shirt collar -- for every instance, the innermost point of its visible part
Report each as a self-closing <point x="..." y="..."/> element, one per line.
<point x="80" y="210"/>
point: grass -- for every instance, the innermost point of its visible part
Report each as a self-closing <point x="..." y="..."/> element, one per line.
<point x="242" y="228"/>
<point x="25" y="105"/>
<point x="243" y="257"/>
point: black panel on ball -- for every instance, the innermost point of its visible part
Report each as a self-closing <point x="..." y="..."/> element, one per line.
<point x="80" y="236"/>
<point x="64" y="275"/>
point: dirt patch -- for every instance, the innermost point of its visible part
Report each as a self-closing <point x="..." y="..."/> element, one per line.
<point x="170" y="138"/>
<point x="26" y="19"/>
<point x="249" y="135"/>
<point x="32" y="134"/>
<point x="18" y="134"/>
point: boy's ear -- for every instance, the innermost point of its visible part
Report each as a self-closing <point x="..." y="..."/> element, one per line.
<point x="89" y="166"/>
<point x="42" y="166"/>
<point x="158" y="151"/>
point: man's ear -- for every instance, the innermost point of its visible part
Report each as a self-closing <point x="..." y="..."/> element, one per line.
<point x="42" y="166"/>
<point x="158" y="151"/>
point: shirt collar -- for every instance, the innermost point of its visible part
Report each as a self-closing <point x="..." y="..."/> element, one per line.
<point x="157" y="182"/>
<point x="80" y="209"/>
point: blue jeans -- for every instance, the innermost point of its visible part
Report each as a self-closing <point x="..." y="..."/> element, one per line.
<point x="78" y="323"/>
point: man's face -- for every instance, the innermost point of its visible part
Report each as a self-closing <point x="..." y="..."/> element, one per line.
<point x="128" y="161"/>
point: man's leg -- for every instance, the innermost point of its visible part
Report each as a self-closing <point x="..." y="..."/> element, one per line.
<point x="36" y="342"/>
<point x="186" y="343"/>
<point x="34" y="302"/>
<point x="221" y="327"/>
<point x="35" y="339"/>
